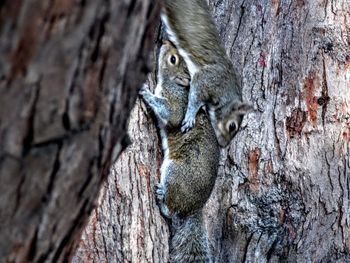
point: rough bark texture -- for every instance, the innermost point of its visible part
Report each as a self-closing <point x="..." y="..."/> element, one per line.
<point x="69" y="75"/>
<point x="283" y="189"/>
<point x="127" y="226"/>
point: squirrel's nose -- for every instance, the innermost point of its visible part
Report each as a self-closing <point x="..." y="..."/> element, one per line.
<point x="223" y="142"/>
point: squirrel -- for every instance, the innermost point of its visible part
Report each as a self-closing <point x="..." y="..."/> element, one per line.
<point x="190" y="160"/>
<point x="214" y="83"/>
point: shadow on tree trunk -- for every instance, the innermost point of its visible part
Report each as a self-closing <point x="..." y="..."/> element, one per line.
<point x="69" y="76"/>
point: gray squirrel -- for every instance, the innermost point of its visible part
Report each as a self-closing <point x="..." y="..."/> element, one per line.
<point x="213" y="80"/>
<point x="190" y="160"/>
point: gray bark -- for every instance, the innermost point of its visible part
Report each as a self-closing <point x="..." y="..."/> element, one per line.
<point x="69" y="75"/>
<point x="283" y="189"/>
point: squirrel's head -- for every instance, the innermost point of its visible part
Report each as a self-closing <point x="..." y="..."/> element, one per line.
<point x="227" y="121"/>
<point x="172" y="65"/>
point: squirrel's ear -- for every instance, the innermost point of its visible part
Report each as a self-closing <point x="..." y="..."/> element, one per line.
<point x="244" y="108"/>
<point x="166" y="42"/>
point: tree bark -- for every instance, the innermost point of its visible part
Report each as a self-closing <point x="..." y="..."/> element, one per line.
<point x="69" y="75"/>
<point x="283" y="189"/>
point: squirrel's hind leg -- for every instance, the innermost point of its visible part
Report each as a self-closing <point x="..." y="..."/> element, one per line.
<point x="160" y="199"/>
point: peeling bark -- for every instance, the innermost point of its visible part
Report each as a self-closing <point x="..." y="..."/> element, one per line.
<point x="283" y="189"/>
<point x="69" y="75"/>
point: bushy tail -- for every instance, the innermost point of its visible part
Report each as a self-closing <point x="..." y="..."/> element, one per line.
<point x="189" y="241"/>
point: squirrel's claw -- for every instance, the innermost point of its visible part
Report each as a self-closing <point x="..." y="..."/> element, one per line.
<point x="144" y="90"/>
<point x="160" y="193"/>
<point x="187" y="125"/>
<point x="160" y="196"/>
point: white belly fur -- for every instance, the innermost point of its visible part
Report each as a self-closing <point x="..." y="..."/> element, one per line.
<point x="158" y="90"/>
<point x="192" y="67"/>
<point x="166" y="160"/>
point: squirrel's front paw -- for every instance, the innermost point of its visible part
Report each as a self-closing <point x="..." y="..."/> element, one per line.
<point x="187" y="124"/>
<point x="144" y="90"/>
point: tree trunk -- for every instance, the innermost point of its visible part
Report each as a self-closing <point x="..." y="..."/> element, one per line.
<point x="283" y="190"/>
<point x="69" y="75"/>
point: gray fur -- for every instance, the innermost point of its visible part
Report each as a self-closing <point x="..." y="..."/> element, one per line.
<point x="214" y="83"/>
<point x="190" y="161"/>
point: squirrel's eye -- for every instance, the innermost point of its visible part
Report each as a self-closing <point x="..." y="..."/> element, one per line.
<point x="232" y="127"/>
<point x="173" y="60"/>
